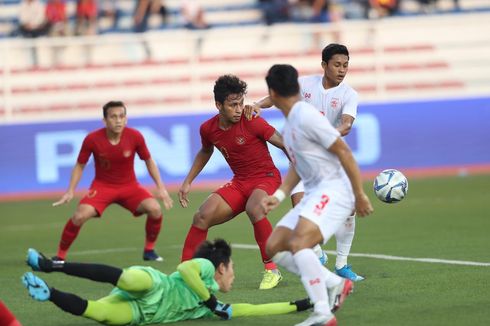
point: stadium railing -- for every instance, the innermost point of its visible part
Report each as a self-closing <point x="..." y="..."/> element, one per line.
<point x="391" y="59"/>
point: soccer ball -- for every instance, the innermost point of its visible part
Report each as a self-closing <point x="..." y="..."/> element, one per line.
<point x="390" y="186"/>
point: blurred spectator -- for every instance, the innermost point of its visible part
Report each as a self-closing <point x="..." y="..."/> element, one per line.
<point x="383" y="8"/>
<point x="193" y="15"/>
<point x="275" y="11"/>
<point x="427" y="6"/>
<point x="313" y="11"/>
<point x="86" y="17"/>
<point x="56" y="17"/>
<point x="144" y="9"/>
<point x="110" y="9"/>
<point x="32" y="21"/>
<point x="357" y="9"/>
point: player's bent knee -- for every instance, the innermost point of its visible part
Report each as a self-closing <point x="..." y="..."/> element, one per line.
<point x="296" y="244"/>
<point x="153" y="209"/>
<point x="202" y="221"/>
<point x="109" y="313"/>
<point x="135" y="280"/>
<point x="79" y="219"/>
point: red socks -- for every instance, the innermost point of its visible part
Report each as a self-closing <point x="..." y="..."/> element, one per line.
<point x="152" y="228"/>
<point x="192" y="241"/>
<point x="262" y="231"/>
<point x="70" y="233"/>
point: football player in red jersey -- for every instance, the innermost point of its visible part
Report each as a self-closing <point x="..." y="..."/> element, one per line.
<point x="243" y="143"/>
<point x="114" y="148"/>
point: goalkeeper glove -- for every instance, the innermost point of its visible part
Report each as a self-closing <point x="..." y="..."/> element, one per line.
<point x="220" y="309"/>
<point x="302" y="305"/>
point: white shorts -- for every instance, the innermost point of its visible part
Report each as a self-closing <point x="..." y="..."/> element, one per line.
<point x="327" y="207"/>
<point x="298" y="188"/>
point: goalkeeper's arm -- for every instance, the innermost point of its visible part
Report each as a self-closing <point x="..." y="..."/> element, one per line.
<point x="278" y="308"/>
<point x="190" y="271"/>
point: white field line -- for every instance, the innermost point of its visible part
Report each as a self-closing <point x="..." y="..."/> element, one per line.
<point x="102" y="251"/>
<point x="255" y="247"/>
<point x="386" y="257"/>
<point x="30" y="227"/>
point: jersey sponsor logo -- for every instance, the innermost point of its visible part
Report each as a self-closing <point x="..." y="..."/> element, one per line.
<point x="321" y="205"/>
<point x="127" y="153"/>
<point x="240" y="140"/>
<point x="334" y="103"/>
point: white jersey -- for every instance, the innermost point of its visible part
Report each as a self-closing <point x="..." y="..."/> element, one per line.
<point x="332" y="102"/>
<point x="307" y="136"/>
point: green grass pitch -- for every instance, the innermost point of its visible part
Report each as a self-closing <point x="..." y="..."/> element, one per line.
<point x="441" y="218"/>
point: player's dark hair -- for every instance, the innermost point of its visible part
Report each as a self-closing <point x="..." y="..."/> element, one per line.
<point x="217" y="251"/>
<point x="283" y="79"/>
<point x="332" y="49"/>
<point x="112" y="104"/>
<point x="226" y="85"/>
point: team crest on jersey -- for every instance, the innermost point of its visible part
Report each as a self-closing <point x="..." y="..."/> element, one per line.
<point x="334" y="103"/>
<point x="240" y="140"/>
<point x="127" y="153"/>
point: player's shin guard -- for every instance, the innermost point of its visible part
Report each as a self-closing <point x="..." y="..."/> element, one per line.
<point x="68" y="302"/>
<point x="152" y="228"/>
<point x="70" y="233"/>
<point x="262" y="232"/>
<point x="194" y="238"/>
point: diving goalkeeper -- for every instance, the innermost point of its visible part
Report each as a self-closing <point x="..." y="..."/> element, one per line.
<point x="144" y="295"/>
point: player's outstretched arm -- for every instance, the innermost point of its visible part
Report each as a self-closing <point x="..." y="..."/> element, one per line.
<point x="199" y="163"/>
<point x="340" y="148"/>
<point x="162" y="192"/>
<point x="277" y="141"/>
<point x="76" y="175"/>
<point x="268" y="309"/>
<point x="346" y="124"/>
<point x="253" y="110"/>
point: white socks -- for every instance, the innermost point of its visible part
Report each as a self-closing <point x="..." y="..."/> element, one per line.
<point x="286" y="260"/>
<point x="344" y="237"/>
<point x="313" y="278"/>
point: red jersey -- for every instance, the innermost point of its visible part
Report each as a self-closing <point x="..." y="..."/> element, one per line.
<point x="243" y="146"/>
<point x="114" y="164"/>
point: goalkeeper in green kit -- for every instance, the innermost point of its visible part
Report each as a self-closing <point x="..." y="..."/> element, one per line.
<point x="144" y="295"/>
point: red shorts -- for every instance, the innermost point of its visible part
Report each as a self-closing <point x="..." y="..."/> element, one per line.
<point x="237" y="191"/>
<point x="128" y="196"/>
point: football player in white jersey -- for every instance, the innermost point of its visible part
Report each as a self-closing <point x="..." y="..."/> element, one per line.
<point x="333" y="190"/>
<point x="337" y="101"/>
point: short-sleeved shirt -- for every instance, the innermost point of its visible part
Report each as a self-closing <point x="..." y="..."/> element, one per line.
<point x="243" y="146"/>
<point x="169" y="299"/>
<point x="114" y="164"/>
<point x="332" y="102"/>
<point x="307" y="136"/>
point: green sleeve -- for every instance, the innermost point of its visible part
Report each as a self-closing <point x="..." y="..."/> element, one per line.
<point x="246" y="309"/>
<point x="190" y="271"/>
